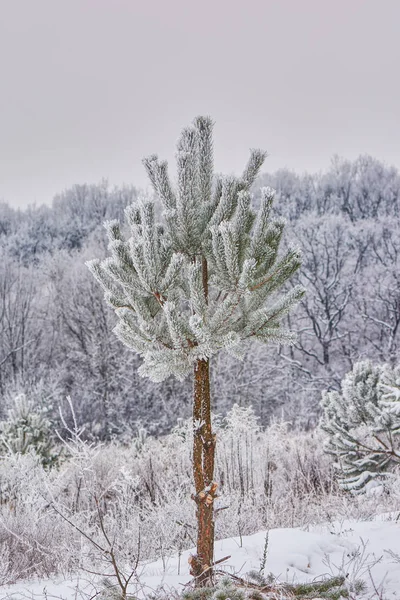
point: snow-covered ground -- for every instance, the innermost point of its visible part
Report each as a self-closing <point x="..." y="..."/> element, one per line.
<point x="360" y="550"/>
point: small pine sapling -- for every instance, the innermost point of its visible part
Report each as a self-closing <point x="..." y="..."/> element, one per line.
<point x="204" y="279"/>
<point x="27" y="428"/>
<point x="363" y="425"/>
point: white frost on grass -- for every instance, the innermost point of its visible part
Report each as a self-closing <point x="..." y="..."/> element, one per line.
<point x="357" y="549"/>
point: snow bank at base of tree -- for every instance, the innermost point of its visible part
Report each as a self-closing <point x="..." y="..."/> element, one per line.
<point x="358" y="549"/>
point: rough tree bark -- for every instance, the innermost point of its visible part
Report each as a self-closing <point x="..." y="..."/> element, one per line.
<point x="203" y="472"/>
<point x="203" y="465"/>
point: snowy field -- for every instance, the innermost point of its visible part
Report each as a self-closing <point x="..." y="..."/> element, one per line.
<point x="363" y="550"/>
<point x="273" y="478"/>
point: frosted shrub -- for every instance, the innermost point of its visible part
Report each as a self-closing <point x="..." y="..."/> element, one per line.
<point x="242" y="420"/>
<point x="25" y="429"/>
<point x="32" y="541"/>
<point x="363" y="424"/>
<point x="32" y="546"/>
<point x="140" y="494"/>
<point x="20" y="478"/>
<point x="271" y="459"/>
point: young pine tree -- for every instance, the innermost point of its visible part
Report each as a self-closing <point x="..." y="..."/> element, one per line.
<point x="204" y="279"/>
<point x="363" y="424"/>
<point x="27" y="428"/>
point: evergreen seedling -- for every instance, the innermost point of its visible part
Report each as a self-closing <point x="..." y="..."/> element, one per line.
<point x="363" y="425"/>
<point x="27" y="428"/>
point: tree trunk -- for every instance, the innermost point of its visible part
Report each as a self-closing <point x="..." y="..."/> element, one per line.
<point x="203" y="472"/>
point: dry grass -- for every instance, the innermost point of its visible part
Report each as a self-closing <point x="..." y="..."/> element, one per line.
<point x="139" y="496"/>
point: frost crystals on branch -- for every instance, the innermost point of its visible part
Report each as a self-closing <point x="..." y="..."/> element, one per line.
<point x="154" y="279"/>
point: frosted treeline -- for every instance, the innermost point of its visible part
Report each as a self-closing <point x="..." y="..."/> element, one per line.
<point x="56" y="334"/>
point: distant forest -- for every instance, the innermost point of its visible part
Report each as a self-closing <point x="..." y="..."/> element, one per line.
<point x="56" y="337"/>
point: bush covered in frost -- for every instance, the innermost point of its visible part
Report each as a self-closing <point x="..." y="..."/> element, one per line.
<point x="27" y="429"/>
<point x="139" y="496"/>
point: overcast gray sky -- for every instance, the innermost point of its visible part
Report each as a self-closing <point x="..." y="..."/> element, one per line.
<point x="88" y="87"/>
